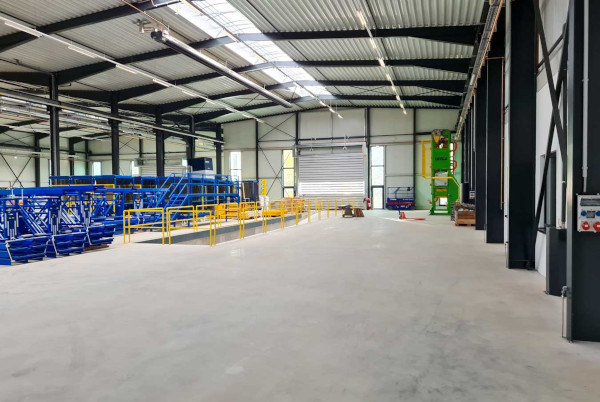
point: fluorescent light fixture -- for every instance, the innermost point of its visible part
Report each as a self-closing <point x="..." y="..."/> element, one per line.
<point x="394" y="89"/>
<point x="373" y="44"/>
<point x="387" y="75"/>
<point x="339" y="116"/>
<point x="24" y="28"/>
<point x="83" y="52"/>
<point x="381" y="62"/>
<point x="260" y="121"/>
<point x="211" y="101"/>
<point x="188" y="93"/>
<point x="398" y="99"/>
<point x="322" y="103"/>
<point x="361" y="17"/>
<point x="125" y="68"/>
<point x="403" y="110"/>
<point x="161" y="82"/>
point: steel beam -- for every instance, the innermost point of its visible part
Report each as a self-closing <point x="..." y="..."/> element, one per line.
<point x="36" y="159"/>
<point x="219" y="149"/>
<point x="481" y="151"/>
<point x="160" y="144"/>
<point x="583" y="249"/>
<point x="54" y="128"/>
<point x="521" y="135"/>
<point x="77" y="73"/>
<point x="450" y="101"/>
<point x="190" y="147"/>
<point x="494" y="229"/>
<point x="114" y="134"/>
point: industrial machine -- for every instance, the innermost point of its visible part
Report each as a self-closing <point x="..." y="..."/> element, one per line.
<point x="438" y="165"/>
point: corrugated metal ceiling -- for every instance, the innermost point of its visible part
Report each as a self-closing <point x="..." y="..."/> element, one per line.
<point x="116" y="38"/>
<point x="40" y="12"/>
<point x="44" y="54"/>
<point x="360" y="49"/>
<point x="120" y="38"/>
<point x="174" y="67"/>
<point x="320" y="15"/>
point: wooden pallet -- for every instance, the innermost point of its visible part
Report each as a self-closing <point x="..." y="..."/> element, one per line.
<point x="465" y="222"/>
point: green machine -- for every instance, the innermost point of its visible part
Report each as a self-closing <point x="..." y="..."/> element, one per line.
<point x="444" y="187"/>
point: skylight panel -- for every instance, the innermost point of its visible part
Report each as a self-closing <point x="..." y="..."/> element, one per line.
<point x="218" y="18"/>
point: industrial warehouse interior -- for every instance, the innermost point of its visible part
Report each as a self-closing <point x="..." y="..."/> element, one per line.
<point x="299" y="200"/>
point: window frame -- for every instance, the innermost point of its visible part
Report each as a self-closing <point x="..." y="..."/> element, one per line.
<point x="285" y="187"/>
<point x="232" y="170"/>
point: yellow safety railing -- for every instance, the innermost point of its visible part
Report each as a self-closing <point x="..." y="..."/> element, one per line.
<point x="127" y="226"/>
<point x="179" y="223"/>
<point x="213" y="222"/>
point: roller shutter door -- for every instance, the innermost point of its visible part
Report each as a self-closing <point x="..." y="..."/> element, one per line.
<point x="331" y="175"/>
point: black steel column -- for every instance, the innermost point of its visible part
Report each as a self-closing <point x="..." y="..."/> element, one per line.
<point x="495" y="124"/>
<point x="87" y="157"/>
<point x="36" y="159"/>
<point x="72" y="156"/>
<point x="583" y="249"/>
<point x="114" y="133"/>
<point x="54" y="129"/>
<point x="521" y="138"/>
<point x="368" y="142"/>
<point x="160" y="145"/>
<point x="466" y="154"/>
<point x="494" y="229"/>
<point x="190" y="143"/>
<point x="219" y="149"/>
<point x="256" y="147"/>
<point x="414" y="139"/>
<point x="480" y="150"/>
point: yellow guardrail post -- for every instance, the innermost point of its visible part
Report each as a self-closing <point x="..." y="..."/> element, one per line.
<point x="297" y="213"/>
<point x="328" y="208"/>
<point x="353" y="204"/>
<point x="282" y="214"/>
<point x="319" y="208"/>
<point x="308" y="211"/>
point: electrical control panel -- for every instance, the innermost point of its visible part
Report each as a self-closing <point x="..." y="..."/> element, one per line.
<point x="588" y="213"/>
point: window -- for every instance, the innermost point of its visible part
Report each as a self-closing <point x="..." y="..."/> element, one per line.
<point x="377" y="176"/>
<point x="235" y="165"/>
<point x="289" y="176"/>
<point x="135" y="170"/>
<point x="96" y="168"/>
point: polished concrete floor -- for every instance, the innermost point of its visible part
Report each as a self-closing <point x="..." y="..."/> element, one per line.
<point x="366" y="309"/>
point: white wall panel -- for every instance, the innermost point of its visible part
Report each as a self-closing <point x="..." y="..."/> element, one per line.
<point x="431" y="119"/>
<point x="316" y="124"/>
<point x="278" y="128"/>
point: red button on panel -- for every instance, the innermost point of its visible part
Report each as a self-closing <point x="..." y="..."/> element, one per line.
<point x="585" y="226"/>
<point x="597" y="227"/>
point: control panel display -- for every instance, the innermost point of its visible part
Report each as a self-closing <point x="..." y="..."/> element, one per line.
<point x="588" y="213"/>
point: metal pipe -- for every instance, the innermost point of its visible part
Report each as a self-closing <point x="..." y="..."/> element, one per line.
<point x="180" y="47"/>
<point x="586" y="78"/>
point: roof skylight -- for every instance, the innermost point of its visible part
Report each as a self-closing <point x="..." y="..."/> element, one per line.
<point x="218" y="18"/>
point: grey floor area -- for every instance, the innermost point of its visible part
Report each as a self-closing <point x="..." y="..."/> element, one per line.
<point x="338" y="310"/>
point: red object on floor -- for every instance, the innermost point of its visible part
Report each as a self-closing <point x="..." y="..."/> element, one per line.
<point x="403" y="217"/>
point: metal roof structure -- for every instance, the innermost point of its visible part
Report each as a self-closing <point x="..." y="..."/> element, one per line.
<point x="101" y="51"/>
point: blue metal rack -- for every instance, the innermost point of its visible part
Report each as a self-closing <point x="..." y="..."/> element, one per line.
<point x="80" y="212"/>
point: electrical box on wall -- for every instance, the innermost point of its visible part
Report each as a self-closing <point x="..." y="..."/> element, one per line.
<point x="588" y="213"/>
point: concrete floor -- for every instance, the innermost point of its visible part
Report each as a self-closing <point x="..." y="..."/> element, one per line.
<point x="338" y="310"/>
